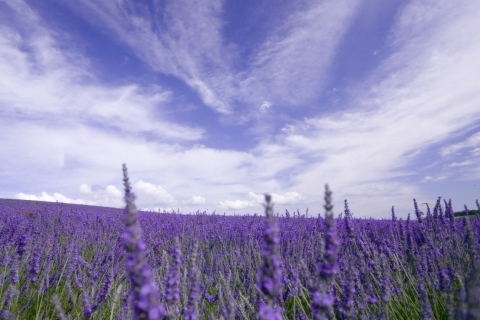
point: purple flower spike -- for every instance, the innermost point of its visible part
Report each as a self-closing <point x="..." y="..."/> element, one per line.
<point x="417" y="212"/>
<point x="426" y="311"/>
<point x="173" y="282"/>
<point x="35" y="266"/>
<point x="469" y="241"/>
<point x="144" y="289"/>
<point x="23" y="243"/>
<point x="191" y="310"/>
<point x="321" y="301"/>
<point x="58" y="308"/>
<point x="328" y="269"/>
<point x="270" y="278"/>
<point x="394" y="217"/>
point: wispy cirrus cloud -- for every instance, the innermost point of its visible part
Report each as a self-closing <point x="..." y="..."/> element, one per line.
<point x="167" y="37"/>
<point x="472" y="142"/>
<point x="290" y="68"/>
<point x="42" y="81"/>
<point x="287" y="70"/>
<point x="423" y="94"/>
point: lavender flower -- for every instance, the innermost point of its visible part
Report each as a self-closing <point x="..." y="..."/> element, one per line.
<point x="173" y="281"/>
<point x="105" y="289"/>
<point x="417" y="212"/>
<point x="23" y="243"/>
<point x="14" y="271"/>
<point x="469" y="240"/>
<point x="473" y="293"/>
<point x="321" y="301"/>
<point x="347" y="306"/>
<point x="87" y="307"/>
<point x="348" y="214"/>
<point x="11" y="292"/>
<point x="328" y="269"/>
<point x="394" y="217"/>
<point x="426" y="312"/>
<point x="58" y="307"/>
<point x="437" y="208"/>
<point x="144" y="288"/>
<point x="190" y="312"/>
<point x="445" y="283"/>
<point x="35" y="266"/>
<point x="270" y="277"/>
<point x="6" y="315"/>
<point x="348" y="222"/>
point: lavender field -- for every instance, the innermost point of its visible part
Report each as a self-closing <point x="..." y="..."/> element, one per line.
<point x="61" y="261"/>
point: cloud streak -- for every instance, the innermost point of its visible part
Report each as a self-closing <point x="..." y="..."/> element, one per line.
<point x="40" y="82"/>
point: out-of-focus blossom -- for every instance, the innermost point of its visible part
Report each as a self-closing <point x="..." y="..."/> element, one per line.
<point x="145" y="296"/>
<point x="270" y="277"/>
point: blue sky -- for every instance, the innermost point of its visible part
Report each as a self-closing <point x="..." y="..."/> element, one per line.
<point x="213" y="103"/>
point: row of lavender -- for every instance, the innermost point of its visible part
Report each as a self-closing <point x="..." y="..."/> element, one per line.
<point x="72" y="263"/>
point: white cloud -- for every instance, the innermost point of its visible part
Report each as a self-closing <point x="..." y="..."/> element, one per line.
<point x="290" y="197"/>
<point x="56" y="197"/>
<point x="109" y="196"/>
<point x="265" y="106"/>
<point x="85" y="189"/>
<point x="237" y="204"/>
<point x="41" y="82"/>
<point x="461" y="164"/>
<point x="195" y="200"/>
<point x="434" y="179"/>
<point x="113" y="191"/>
<point x="472" y="142"/>
<point x="153" y="193"/>
<point x="257" y="200"/>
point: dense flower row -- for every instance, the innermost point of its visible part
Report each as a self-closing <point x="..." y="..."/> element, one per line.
<point x="70" y="262"/>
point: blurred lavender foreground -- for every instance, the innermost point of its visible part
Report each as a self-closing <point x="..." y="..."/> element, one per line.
<point x="145" y="299"/>
<point x="61" y="261"/>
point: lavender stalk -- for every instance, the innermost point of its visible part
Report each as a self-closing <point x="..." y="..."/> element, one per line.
<point x="270" y="278"/>
<point x="144" y="288"/>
